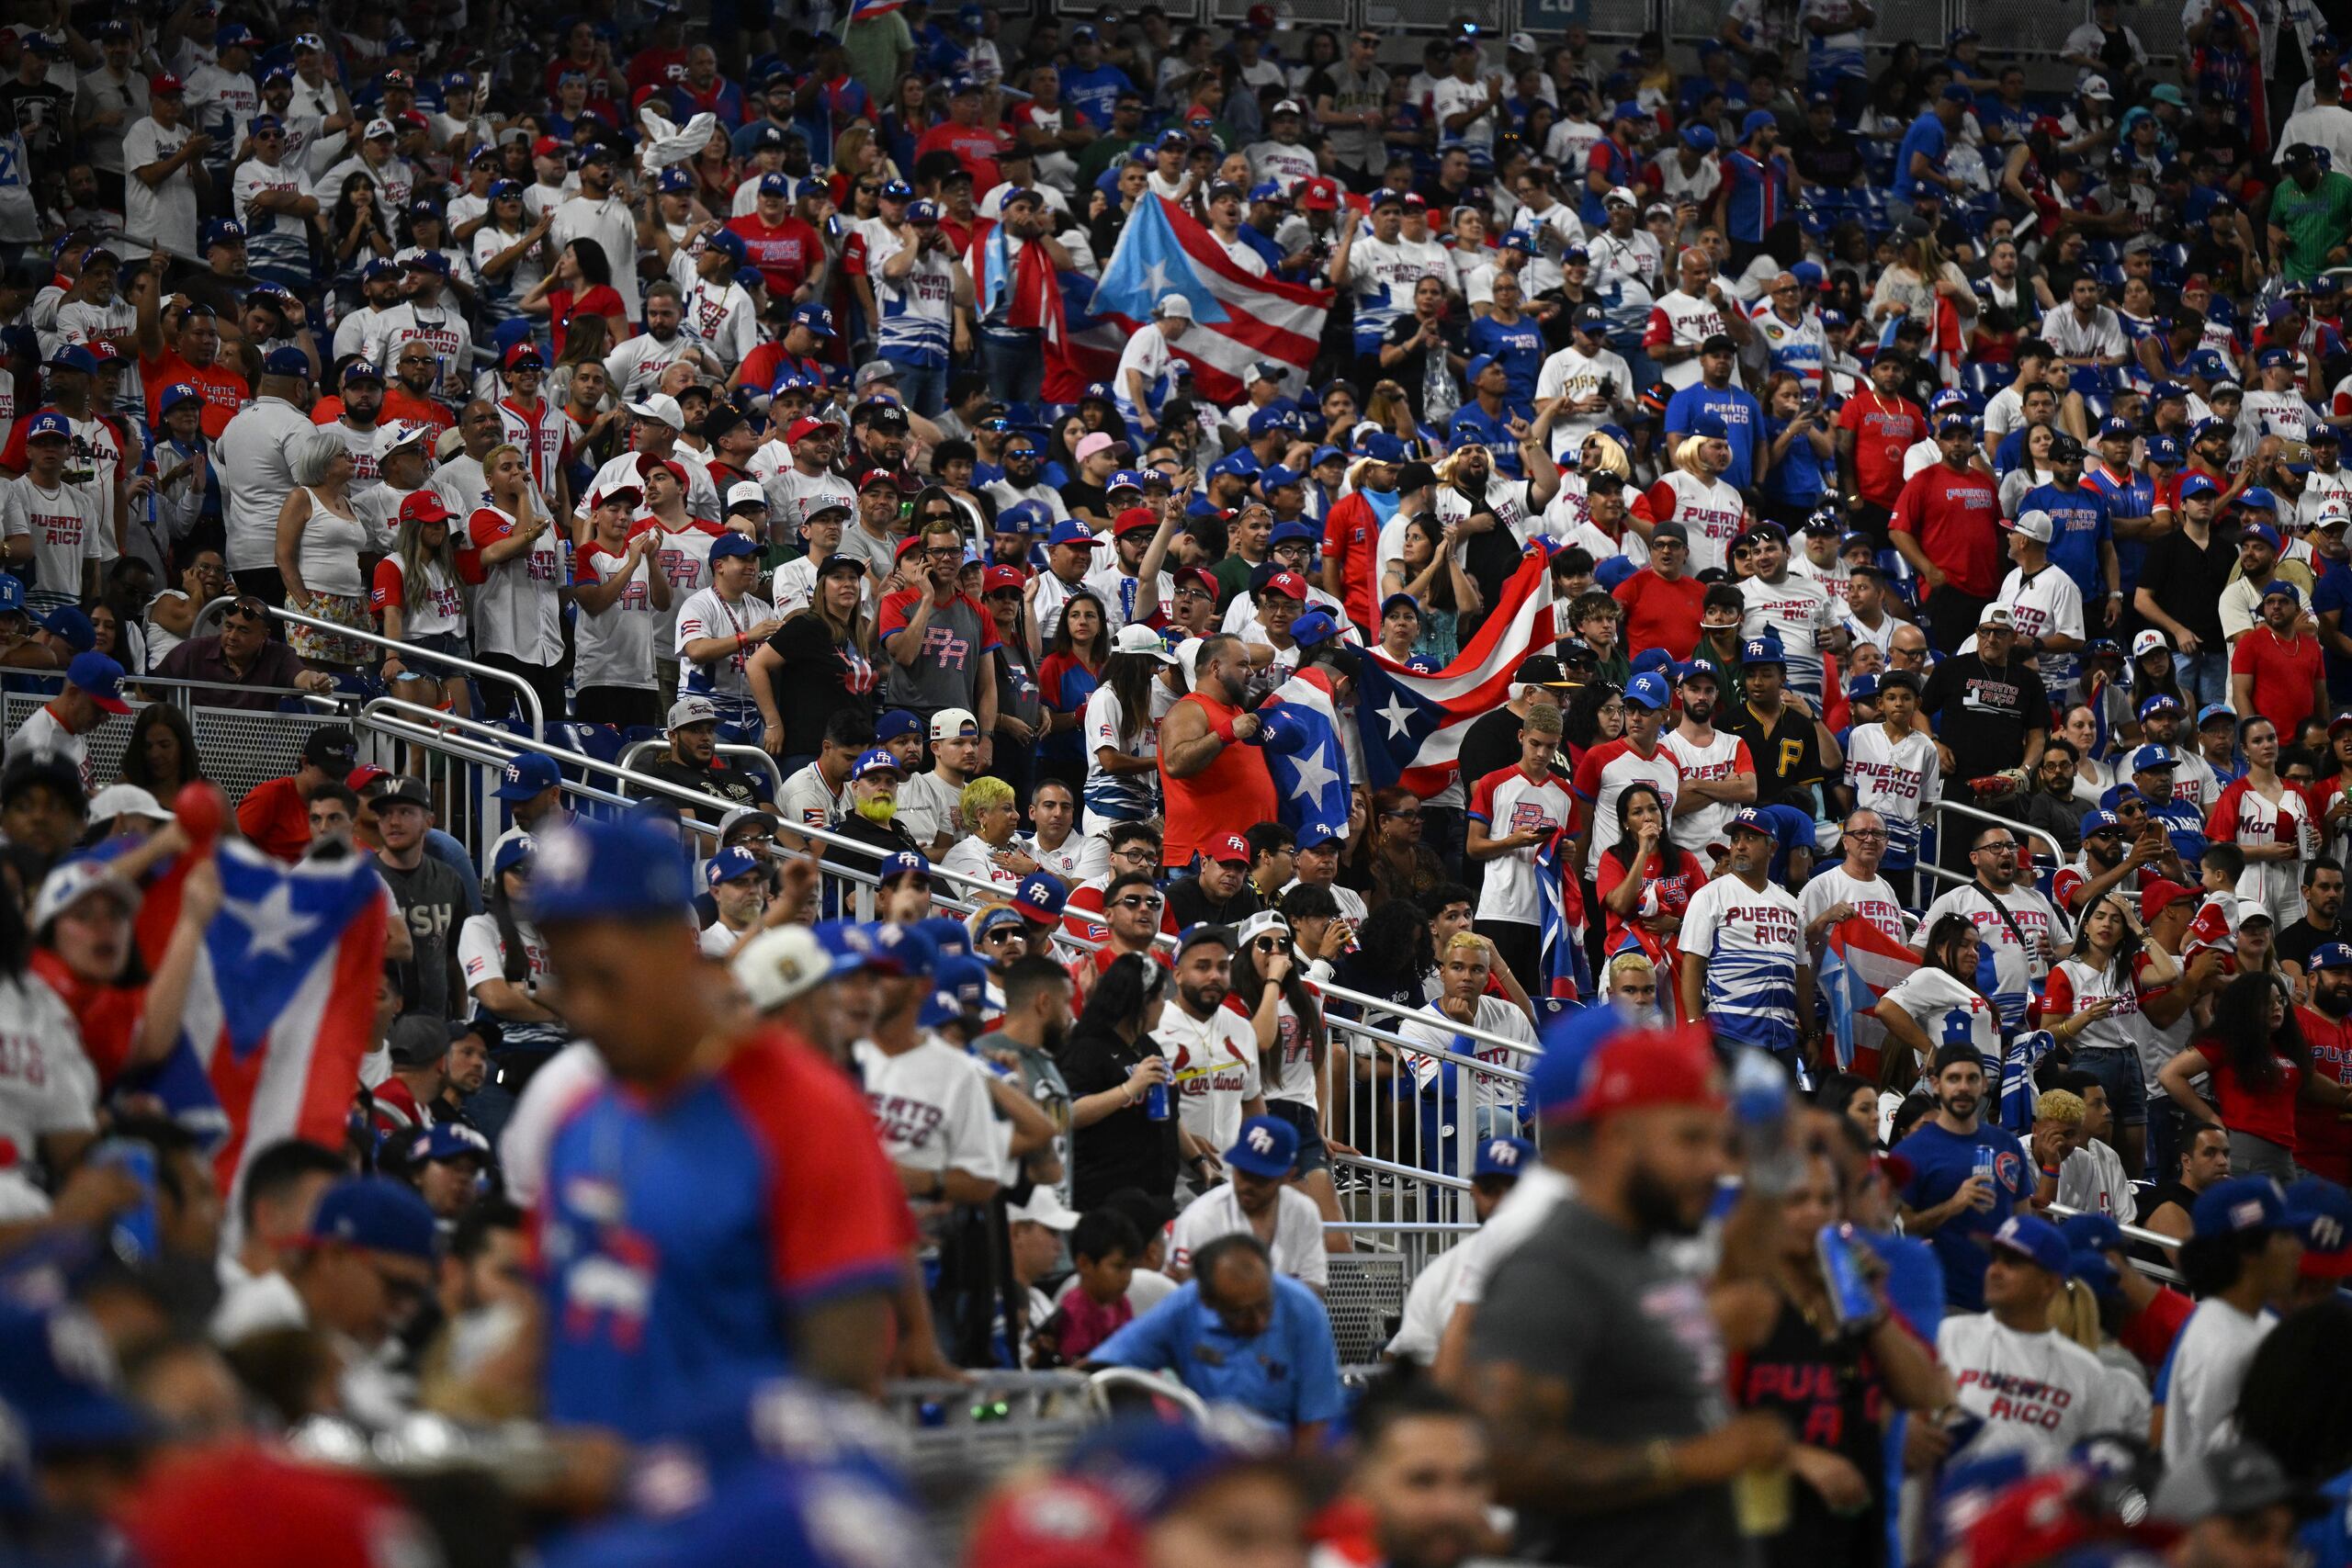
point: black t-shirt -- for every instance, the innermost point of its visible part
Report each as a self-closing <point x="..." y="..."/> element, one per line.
<point x="732" y="785"/>
<point x="1831" y="160"/>
<point x="1829" y="1390"/>
<point x="820" y="678"/>
<point x="2186" y="582"/>
<point x="1080" y="496"/>
<point x="433" y="901"/>
<point x="1982" y="712"/>
<point x="2296" y="942"/>
<point x="42" y="112"/>
<point x="1188" y="904"/>
<point x="1411" y="371"/>
<point x="1788" y="754"/>
<point x="1489" y="745"/>
<point x="1126" y="1149"/>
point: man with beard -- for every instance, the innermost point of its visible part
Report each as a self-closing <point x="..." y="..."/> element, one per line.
<point x="2104" y="862"/>
<point x="798" y="491"/>
<point x="1421" y="1477"/>
<point x="1744" y="962"/>
<point x="429" y="895"/>
<point x="1598" y="1365"/>
<point x="357" y="422"/>
<point x="1967" y="1176"/>
<point x="2016" y="923"/>
<point x="2323" y="1140"/>
<point x="1718" y="770"/>
<point x="1796" y="609"/>
<point x="1212" y="1050"/>
<point x="1992" y="711"/>
<point x="2194" y="780"/>
<point x="2322" y="907"/>
<point x="599" y="213"/>
<point x="1020" y="483"/>
<point x="1793" y="749"/>
<point x="874" y="780"/>
<point x="693" y="762"/>
<point x="636" y="368"/>
<point x="467" y="1069"/>
<point x="879" y="434"/>
<point x="1215" y="782"/>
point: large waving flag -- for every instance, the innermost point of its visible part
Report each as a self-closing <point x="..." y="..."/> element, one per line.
<point x="1238" y="319"/>
<point x="282" y="1006"/>
<point x="1412" y="724"/>
<point x="1566" y="977"/>
<point x="1860" y="964"/>
<point x="1306" y="757"/>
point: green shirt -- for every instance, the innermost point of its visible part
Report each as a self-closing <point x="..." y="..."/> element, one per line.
<point x="876" y="46"/>
<point x="1233" y="575"/>
<point x="2314" y="221"/>
<point x="1100" y="154"/>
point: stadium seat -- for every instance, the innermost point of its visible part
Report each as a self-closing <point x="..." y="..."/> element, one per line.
<point x="1982" y="380"/>
<point x="637" y="732"/>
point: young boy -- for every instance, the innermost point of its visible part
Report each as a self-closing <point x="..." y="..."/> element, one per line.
<point x="2214" y="927"/>
<point x="1104" y="1248"/>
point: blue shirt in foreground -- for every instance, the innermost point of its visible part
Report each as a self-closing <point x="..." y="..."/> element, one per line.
<point x="1290" y="1373"/>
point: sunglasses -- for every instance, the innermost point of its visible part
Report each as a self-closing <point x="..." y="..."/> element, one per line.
<point x="1139" y="902"/>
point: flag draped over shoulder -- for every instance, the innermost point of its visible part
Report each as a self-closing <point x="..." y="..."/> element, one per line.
<point x="1860" y="964"/>
<point x="1412" y="724"/>
<point x="282" y="1006"/>
<point x="1306" y="757"/>
<point x="1237" y="318"/>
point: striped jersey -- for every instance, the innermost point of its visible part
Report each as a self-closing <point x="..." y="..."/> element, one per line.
<point x="1753" y="942"/>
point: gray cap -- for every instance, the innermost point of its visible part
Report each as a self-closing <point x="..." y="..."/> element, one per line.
<point x="875" y="370"/>
<point x="2234" y="1480"/>
<point x="418" y="1040"/>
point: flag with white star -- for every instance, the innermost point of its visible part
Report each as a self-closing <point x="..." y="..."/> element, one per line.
<point x="1307" y="757"/>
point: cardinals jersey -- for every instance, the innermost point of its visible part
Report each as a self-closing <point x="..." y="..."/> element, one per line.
<point x="674" y="1235"/>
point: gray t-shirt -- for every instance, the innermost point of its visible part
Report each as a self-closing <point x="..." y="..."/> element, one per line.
<point x="946" y="671"/>
<point x="1585" y="1303"/>
<point x="432" y="899"/>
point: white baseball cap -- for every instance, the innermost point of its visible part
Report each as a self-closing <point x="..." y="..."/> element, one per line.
<point x="1177" y="305"/>
<point x="390" y="438"/>
<point x="688" y="711"/>
<point x="1136" y="637"/>
<point x="1620" y="193"/>
<point x="1045" y="1207"/>
<point x="127" y="800"/>
<point x="778" y="965"/>
<point x="948" y="724"/>
<point x="2035" y="525"/>
<point x="663" y="407"/>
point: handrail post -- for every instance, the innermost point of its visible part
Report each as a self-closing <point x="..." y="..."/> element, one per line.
<point x="530" y="695"/>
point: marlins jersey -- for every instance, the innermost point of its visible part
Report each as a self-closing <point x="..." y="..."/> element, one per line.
<point x="675" y="1232"/>
<point x="1753" y="941"/>
<point x="1892" y="777"/>
<point x="2244" y="816"/>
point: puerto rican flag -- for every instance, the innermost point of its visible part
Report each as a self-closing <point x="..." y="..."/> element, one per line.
<point x="282" y="1006"/>
<point x="1238" y="319"/>
<point x="1860" y="964"/>
<point x="1412" y="724"/>
<point x="1306" y="757"/>
<point x="861" y="10"/>
<point x="1566" y="977"/>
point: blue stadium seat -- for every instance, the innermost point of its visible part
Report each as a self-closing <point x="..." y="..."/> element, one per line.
<point x="601" y="741"/>
<point x="2097" y="405"/>
<point x="1982" y="380"/>
<point x="637" y="732"/>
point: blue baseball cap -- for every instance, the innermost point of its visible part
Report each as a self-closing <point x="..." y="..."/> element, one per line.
<point x="1648" y="690"/>
<point x="1383" y="447"/>
<point x="1124" y="479"/>
<point x="2092" y="1232"/>
<point x="1863" y="687"/>
<point x="1762" y="650"/>
<point x="527" y="774"/>
<point x="906" y="862"/>
<point x="1041" y="897"/>
<point x="1698" y="670"/>
<point x="1024" y="518"/>
<point x="877" y="759"/>
<point x="1291" y="532"/>
<point x="1476" y="367"/>
<point x="2195" y="485"/>
<point x="730" y="544"/>
<point x="12" y="593"/>
<point x="2254" y="498"/>
<point x="1710" y="426"/>
<point x="1504" y="1157"/>
<point x="99" y="679"/>
<point x="2322" y="1212"/>
<point x="2153" y="760"/>
<point x="1272" y="477"/>
<point x="2281" y="587"/>
<point x="292" y="361"/>
<point x="2211" y="711"/>
<point x="375" y="1215"/>
<point x="71" y="627"/>
<point x="74" y="357"/>
<point x="1314" y="627"/>
<point x="628" y="870"/>
<point x="57" y="1379"/>
<point x="1555" y="1080"/>
<point x="895" y="723"/>
<point x="947" y="935"/>
<point x="2100" y="821"/>
<point x="49" y="423"/>
<point x="815" y="318"/>
<point x="2239" y="1204"/>
<point x="448" y="1140"/>
<point x="1268" y="1147"/>
<point x="224" y="231"/>
<point x="960" y="987"/>
<point x="1069" y="531"/>
<point x="2330" y="955"/>
<point x="2036" y="1241"/>
<point x="729" y="864"/>
<point x="726" y="242"/>
<point x="175" y="394"/>
<point x="1749" y="819"/>
<point x="2165" y="451"/>
<point x="1756" y="120"/>
<point x="512" y="852"/>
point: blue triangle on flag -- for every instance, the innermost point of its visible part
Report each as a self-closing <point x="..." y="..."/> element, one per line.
<point x="276" y="923"/>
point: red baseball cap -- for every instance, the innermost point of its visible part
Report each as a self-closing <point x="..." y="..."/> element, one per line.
<point x="1229" y="846"/>
<point x="1201" y="575"/>
<point x="1000" y="578"/>
<point x="872" y="477"/>
<point x="363" y="775"/>
<point x="647" y="462"/>
<point x="804" y="427"/>
<point x="2157" y="897"/>
<point x="423" y="506"/>
<point x="163" y="83"/>
<point x="1059" y="1522"/>
<point x="1650" y="1068"/>
<point x="1133" y="519"/>
<point x="910" y="544"/>
<point x="1289" y="584"/>
<point x="1318" y="194"/>
<point x="546" y="147"/>
<point x="627" y="495"/>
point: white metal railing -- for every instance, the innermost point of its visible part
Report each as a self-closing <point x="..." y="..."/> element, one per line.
<point x="423" y="656"/>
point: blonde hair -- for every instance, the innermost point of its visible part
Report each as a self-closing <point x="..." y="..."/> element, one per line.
<point x="981" y="794"/>
<point x="1633" y="962"/>
<point x="489" y="461"/>
<point x="1686" y="457"/>
<point x="1466" y="942"/>
<point x="2060" y="1105"/>
<point x="2073" y="1312"/>
<point x="1612" y="455"/>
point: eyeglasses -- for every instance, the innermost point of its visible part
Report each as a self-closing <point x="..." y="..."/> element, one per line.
<point x="950" y="515"/>
<point x="1268" y="944"/>
<point x="1411" y="815"/>
<point x="1138" y="901"/>
<point x="869" y="190"/>
<point x="949" y="553"/>
<point x="1866" y="833"/>
<point x="1003" y="934"/>
<point x="1142" y="853"/>
<point x="1994" y="849"/>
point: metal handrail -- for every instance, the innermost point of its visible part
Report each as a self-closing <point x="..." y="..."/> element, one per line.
<point x="2145" y="1236"/>
<point x="1997" y="822"/>
<point x="630" y="753"/>
<point x="530" y="697"/>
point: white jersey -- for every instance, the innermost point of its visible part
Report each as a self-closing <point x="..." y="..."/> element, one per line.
<point x="1711" y="761"/>
<point x="1298" y="1232"/>
<point x="1683" y="321"/>
<point x="1433" y="1029"/>
<point x="1753" y="942"/>
<point x="704" y="614"/>
<point x="1800" y="348"/>
<point x="64" y="526"/>
<point x="931" y="1108"/>
<point x="1572" y="373"/>
<point x="441" y="327"/>
<point x="2048" y="603"/>
<point x="1873" y="900"/>
<point x="721" y="317"/>
<point x="1081" y="857"/>
<point x="1946" y="1010"/>
<point x="46" y="1084"/>
<point x="2209" y="1362"/>
<point x="1800" y="612"/>
<point x="634" y="368"/>
<point x="1382" y="276"/>
<point x="1712" y="511"/>
<point x="808" y="801"/>
<point x="1893" y="778"/>
<point x="972" y="856"/>
<point x="1214" y="1062"/>
<point x="2017" y="964"/>
<point x="2039" y="1393"/>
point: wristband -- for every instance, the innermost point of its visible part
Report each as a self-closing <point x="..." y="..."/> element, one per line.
<point x="1221" y="727"/>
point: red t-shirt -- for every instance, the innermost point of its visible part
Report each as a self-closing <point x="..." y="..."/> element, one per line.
<point x="1956" y="518"/>
<point x="1884" y="429"/>
<point x="783" y="253"/>
<point x="975" y="146"/>
<point x="277" y="819"/>
<point x="2322" y="1142"/>
<point x="224" y="391"/>
<point x="1351" y="535"/>
<point x="2286" y="672"/>
<point x="564" y="308"/>
<point x="109" y="1014"/>
<point x="399" y="403"/>
<point x="1659" y="613"/>
<point x="2266" y="1113"/>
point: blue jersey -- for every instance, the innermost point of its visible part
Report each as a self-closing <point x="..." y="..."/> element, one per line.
<point x="1927" y="135"/>
<point x="2078" y="526"/>
<point x="1802" y="476"/>
<point x="675" y="1235"/>
<point x="2129" y="494"/>
<point x="1757" y="193"/>
<point x="1289" y="1374"/>
<point x="1096" y="91"/>
<point x="1472" y="424"/>
<point x="1518" y="348"/>
<point x="1743" y="419"/>
<point x="2333" y="591"/>
<point x="1941" y="1162"/>
<point x="821" y="1515"/>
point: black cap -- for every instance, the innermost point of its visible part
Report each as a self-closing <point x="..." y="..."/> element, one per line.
<point x="1538" y="670"/>
<point x="1718" y="343"/>
<point x="1413" y="477"/>
<point x="334" y="748"/>
<point x="2064" y="448"/>
<point x="400" y="790"/>
<point x="836" y="561"/>
<point x="418" y="1040"/>
<point x="1207" y="931"/>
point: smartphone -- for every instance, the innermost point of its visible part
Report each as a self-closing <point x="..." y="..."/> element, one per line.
<point x="133" y="1236"/>
<point x="1852" y="1300"/>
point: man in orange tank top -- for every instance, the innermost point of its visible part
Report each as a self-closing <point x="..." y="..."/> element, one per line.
<point x="1212" y="776"/>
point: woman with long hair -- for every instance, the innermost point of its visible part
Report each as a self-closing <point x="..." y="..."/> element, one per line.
<point x="1799" y="1359"/>
<point x="620" y="594"/>
<point x="1941" y="1003"/>
<point x="2253" y="1058"/>
<point x="1269" y="981"/>
<point x="1853" y="1097"/>
<point x="161" y="756"/>
<point x="1399" y="864"/>
<point x="914" y="110"/>
<point x="1428" y="571"/>
<point x="2093" y="778"/>
<point x="1645" y="881"/>
<point x="714" y="171"/>
<point x="1113" y="1066"/>
<point x="1121" y="742"/>
<point x="518" y="617"/>
<point x="420" y="600"/>
<point x="821" y="662"/>
<point x="1075" y="662"/>
<point x="505" y="966"/>
<point x="1800" y="453"/>
<point x="510" y="251"/>
<point x="2097" y="981"/>
<point x="354" y="226"/>
<point x="320" y="541"/>
<point x="42" y="1038"/>
<point x="1595" y="716"/>
<point x="588" y="341"/>
<point x="2152" y="674"/>
<point x="2270" y="822"/>
<point x="1920" y="277"/>
<point x="579" y="285"/>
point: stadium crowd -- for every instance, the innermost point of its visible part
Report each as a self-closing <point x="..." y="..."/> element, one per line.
<point x="1716" y="675"/>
